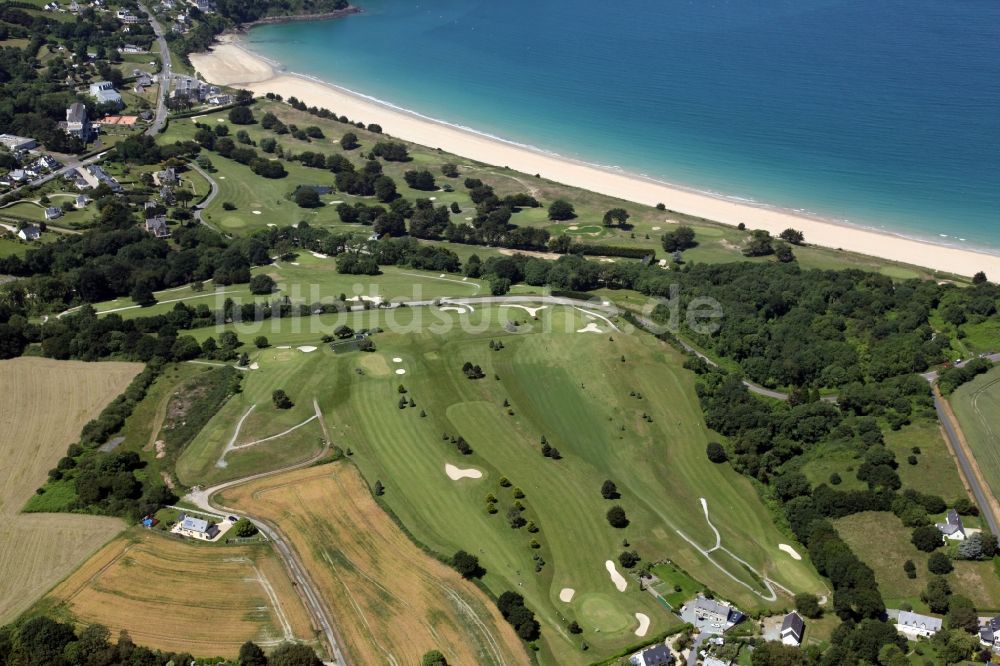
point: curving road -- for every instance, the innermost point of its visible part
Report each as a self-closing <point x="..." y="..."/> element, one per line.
<point x="300" y="577"/>
<point x="213" y="192"/>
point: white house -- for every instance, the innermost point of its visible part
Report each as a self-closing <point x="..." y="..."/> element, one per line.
<point x="81" y="201"/>
<point x="196" y="528"/>
<point x="989" y="633"/>
<point x="29" y="233"/>
<point x="76" y="121"/>
<point x="104" y="92"/>
<point x="792" y="628"/>
<point x="914" y="625"/>
<point x="952" y="527"/>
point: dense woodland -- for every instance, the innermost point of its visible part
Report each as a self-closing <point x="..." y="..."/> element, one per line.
<point x="41" y="641"/>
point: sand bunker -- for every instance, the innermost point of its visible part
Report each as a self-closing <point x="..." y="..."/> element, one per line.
<point x="791" y="551"/>
<point x="319" y="255"/>
<point x="456" y="473"/>
<point x="656" y="228"/>
<point x="307" y="348"/>
<point x="566" y="594"/>
<point x="283" y="347"/>
<point x="531" y="311"/>
<point x="256" y="212"/>
<point x="397" y="360"/>
<point x="255" y="366"/>
<point x="400" y="371"/>
<point x="271" y="224"/>
<point x="590" y="328"/>
<point x="643" y="624"/>
<point x="161" y="449"/>
<point x="572" y="227"/>
<point x="616" y="577"/>
<point x="452" y="308"/>
<point x="294" y="263"/>
<point x="371" y="299"/>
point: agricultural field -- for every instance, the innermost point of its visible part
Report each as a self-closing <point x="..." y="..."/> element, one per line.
<point x="976" y="405"/>
<point x="258" y="201"/>
<point x="46" y="404"/>
<point x="563" y="378"/>
<point x="176" y="595"/>
<point x="390" y="601"/>
<point x="883" y="543"/>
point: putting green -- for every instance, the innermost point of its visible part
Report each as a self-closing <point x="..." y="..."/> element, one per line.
<point x="599" y="612"/>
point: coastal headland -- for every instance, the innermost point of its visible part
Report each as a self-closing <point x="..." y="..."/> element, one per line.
<point x="229" y="63"/>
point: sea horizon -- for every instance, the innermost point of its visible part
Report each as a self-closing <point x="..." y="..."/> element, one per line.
<point x="970" y="225"/>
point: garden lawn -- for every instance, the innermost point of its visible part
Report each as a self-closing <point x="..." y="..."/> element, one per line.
<point x="976" y="405"/>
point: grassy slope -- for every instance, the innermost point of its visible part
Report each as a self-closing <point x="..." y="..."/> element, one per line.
<point x="976" y="405"/>
<point x="883" y="543"/>
<point x="660" y="467"/>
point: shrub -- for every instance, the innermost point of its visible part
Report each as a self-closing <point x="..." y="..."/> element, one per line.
<point x="609" y="490"/>
<point x="261" y="342"/>
<point x="616" y="517"/>
<point x="628" y="558"/>
<point x="560" y="209"/>
<point x="467" y="565"/>
<point x="807" y="605"/>
<point x="244" y="528"/>
<point x="910" y="568"/>
<point x="281" y="399"/>
<point x="716" y="453"/>
<point x="262" y="284"/>
<point x="939" y="563"/>
<point x="926" y="538"/>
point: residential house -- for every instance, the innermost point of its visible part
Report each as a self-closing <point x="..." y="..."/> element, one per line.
<point x="190" y="87"/>
<point x="158" y="226"/>
<point x="104" y="92"/>
<point x="144" y="80"/>
<point x="204" y="5"/>
<point x="167" y="176"/>
<point x="29" y="233"/>
<point x="220" y="100"/>
<point x="952" y="528"/>
<point x="132" y="48"/>
<point x="127" y="17"/>
<point x="196" y="528"/>
<point x="93" y="175"/>
<point x="989" y="633"/>
<point x="81" y="201"/>
<point x="710" y="615"/>
<point x="653" y="655"/>
<point x="74" y="6"/>
<point x="17" y="143"/>
<point x="76" y="121"/>
<point x="914" y="625"/>
<point x="792" y="628"/>
<point x="18" y="175"/>
<point x="53" y="213"/>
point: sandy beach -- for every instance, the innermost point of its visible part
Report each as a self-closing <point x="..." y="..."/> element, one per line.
<point x="230" y="64"/>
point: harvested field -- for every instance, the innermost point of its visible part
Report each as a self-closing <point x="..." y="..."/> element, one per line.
<point x="390" y="601"/>
<point x="180" y="596"/>
<point x="47" y="402"/>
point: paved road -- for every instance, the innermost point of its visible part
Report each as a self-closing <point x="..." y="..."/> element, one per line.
<point x="300" y="577"/>
<point x="932" y="375"/>
<point x="985" y="506"/>
<point x="212" y="193"/>
<point x="164" y="78"/>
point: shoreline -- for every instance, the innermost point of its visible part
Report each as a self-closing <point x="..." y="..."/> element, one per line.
<point x="294" y="18"/>
<point x="229" y="63"/>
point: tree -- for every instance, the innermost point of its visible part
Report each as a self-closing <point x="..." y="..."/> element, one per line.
<point x="679" y="239"/>
<point x="262" y="284"/>
<point x="433" y="658"/>
<point x="449" y="170"/>
<point x="937" y="594"/>
<point x="244" y="528"/>
<point x="783" y="253"/>
<point x="420" y="180"/>
<point x="926" y="538"/>
<point x="615" y="216"/>
<point x="281" y="399"/>
<point x="560" y="209"/>
<point x="574" y="628"/>
<point x="261" y="342"/>
<point x="961" y="615"/>
<point x="616" y="517"/>
<point x="628" y="558"/>
<point x="939" y="563"/>
<point x="294" y="654"/>
<point x="910" y="568"/>
<point x="979" y="278"/>
<point x="349" y="141"/>
<point x="808" y="605"/>
<point x="385" y="189"/>
<point x="241" y="115"/>
<point x="467" y="565"/>
<point x="378" y="488"/>
<point x="759" y="244"/>
<point x="792" y="236"/>
<point x="307" y="197"/>
<point x="142" y="295"/>
<point x="716" y="453"/>
<point x="609" y="490"/>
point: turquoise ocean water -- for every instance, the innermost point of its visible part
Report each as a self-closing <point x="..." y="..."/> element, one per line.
<point x="884" y="114"/>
